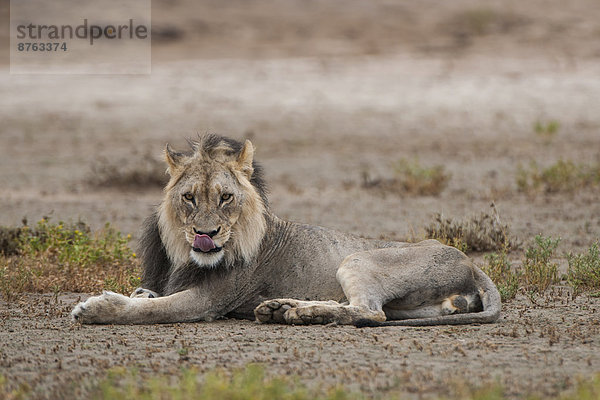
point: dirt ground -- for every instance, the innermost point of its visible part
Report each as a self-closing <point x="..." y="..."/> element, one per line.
<point x="328" y="91"/>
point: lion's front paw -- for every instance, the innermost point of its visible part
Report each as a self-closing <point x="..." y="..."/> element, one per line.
<point x="305" y="316"/>
<point x="273" y="310"/>
<point x="107" y="308"/>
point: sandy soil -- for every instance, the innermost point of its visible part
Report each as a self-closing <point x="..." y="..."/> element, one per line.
<point x="532" y="349"/>
<point x="327" y="91"/>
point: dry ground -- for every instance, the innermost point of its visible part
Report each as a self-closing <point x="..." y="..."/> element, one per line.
<point x="328" y="91"/>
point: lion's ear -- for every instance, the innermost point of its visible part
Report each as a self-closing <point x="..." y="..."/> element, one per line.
<point x="244" y="160"/>
<point x="173" y="159"/>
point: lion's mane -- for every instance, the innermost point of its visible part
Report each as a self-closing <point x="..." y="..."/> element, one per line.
<point x="161" y="247"/>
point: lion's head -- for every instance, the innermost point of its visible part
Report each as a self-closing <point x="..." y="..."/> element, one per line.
<point x="214" y="204"/>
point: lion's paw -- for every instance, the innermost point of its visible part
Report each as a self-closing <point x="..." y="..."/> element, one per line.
<point x="307" y="315"/>
<point x="300" y="312"/>
<point x="273" y="310"/>
<point x="144" y="293"/>
<point x="109" y="307"/>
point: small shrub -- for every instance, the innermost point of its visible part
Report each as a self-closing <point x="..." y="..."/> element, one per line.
<point x="139" y="172"/>
<point x="9" y="393"/>
<point x="546" y="131"/>
<point x="74" y="244"/>
<point x="584" y="270"/>
<point x="585" y="389"/>
<point x="538" y="270"/>
<point x="9" y="240"/>
<point x="60" y="257"/>
<point x="476" y="22"/>
<point x="483" y="232"/>
<point x="500" y="271"/>
<point x="563" y="176"/>
<point x="411" y="179"/>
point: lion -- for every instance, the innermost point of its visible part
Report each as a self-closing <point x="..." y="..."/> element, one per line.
<point x="214" y="249"/>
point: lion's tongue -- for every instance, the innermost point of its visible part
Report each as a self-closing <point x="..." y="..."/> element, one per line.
<point x="204" y="243"/>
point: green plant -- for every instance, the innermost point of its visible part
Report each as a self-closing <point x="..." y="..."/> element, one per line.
<point x="252" y="383"/>
<point x="410" y="178"/>
<point x="60" y="257"/>
<point x="585" y="389"/>
<point x="584" y="270"/>
<point x="546" y="131"/>
<point x="500" y="271"/>
<point x="563" y="176"/>
<point x="74" y="244"/>
<point x="481" y="21"/>
<point x="21" y="392"/>
<point x="539" y="272"/>
<point x="249" y="383"/>
<point x="414" y="178"/>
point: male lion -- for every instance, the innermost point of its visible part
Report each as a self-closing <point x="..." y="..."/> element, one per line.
<point x="214" y="249"/>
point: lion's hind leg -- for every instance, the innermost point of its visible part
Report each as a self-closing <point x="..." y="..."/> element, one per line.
<point x="462" y="303"/>
<point x="362" y="289"/>
<point x="455" y="304"/>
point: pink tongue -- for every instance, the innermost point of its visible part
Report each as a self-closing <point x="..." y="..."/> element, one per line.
<point x="204" y="243"/>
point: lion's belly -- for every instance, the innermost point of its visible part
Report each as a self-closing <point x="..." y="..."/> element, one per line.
<point x="303" y="266"/>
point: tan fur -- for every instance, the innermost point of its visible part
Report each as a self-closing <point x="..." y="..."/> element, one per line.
<point x="245" y="233"/>
<point x="265" y="265"/>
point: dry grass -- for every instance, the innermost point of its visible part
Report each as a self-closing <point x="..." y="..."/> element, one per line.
<point x="137" y="172"/>
<point x="410" y="178"/>
<point x="483" y="232"/>
<point x="58" y="257"/>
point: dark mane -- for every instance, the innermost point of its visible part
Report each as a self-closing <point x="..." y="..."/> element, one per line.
<point x="156" y="265"/>
<point x="153" y="256"/>
<point x="210" y="143"/>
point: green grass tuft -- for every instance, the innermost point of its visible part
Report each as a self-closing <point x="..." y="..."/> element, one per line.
<point x="8" y="393"/>
<point x="250" y="383"/>
<point x="500" y="271"/>
<point x="584" y="270"/>
<point x="55" y="257"/>
<point x="563" y="176"/>
<point x="411" y="178"/>
<point x="416" y="179"/>
<point x="539" y="272"/>
<point x="74" y="244"/>
<point x="547" y="131"/>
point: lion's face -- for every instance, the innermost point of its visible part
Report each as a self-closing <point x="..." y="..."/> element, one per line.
<point x="211" y="211"/>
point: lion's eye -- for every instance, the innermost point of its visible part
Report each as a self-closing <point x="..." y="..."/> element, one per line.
<point x="226" y="197"/>
<point x="189" y="197"/>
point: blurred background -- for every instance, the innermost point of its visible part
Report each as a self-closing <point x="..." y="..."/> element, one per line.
<point x="352" y="105"/>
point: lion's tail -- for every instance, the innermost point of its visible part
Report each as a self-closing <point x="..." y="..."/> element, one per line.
<point x="490" y="298"/>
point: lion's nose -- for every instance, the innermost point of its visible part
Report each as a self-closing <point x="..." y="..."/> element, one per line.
<point x="211" y="233"/>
